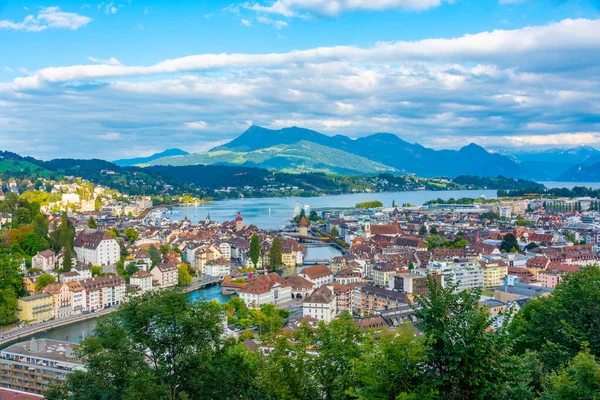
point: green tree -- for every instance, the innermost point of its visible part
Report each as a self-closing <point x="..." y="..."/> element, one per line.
<point x="423" y="230"/>
<point x="33" y="244"/>
<point x="254" y="250"/>
<point x="92" y="223"/>
<point x="580" y="379"/>
<point x="158" y="346"/>
<point x="183" y="275"/>
<point x="561" y="325"/>
<point x="275" y="254"/>
<point x="313" y="216"/>
<point x="391" y="366"/>
<point x="465" y="360"/>
<point x="40" y="224"/>
<point x="131" y="234"/>
<point x="42" y="281"/>
<point x="334" y="231"/>
<point x="67" y="263"/>
<point x="509" y="243"/>
<point x="8" y="306"/>
<point x="23" y="216"/>
<point x="155" y="255"/>
<point x="433" y="230"/>
<point x="10" y="272"/>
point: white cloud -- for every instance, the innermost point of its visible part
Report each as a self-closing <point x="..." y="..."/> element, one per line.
<point x="278" y="24"/>
<point x="146" y="11"/>
<point x="8" y="69"/>
<point x="197" y="125"/>
<point x="295" y="8"/>
<point x="110" y="61"/>
<point x="551" y="46"/>
<point x="48" y="18"/>
<point x="246" y="22"/>
<point x="110" y="136"/>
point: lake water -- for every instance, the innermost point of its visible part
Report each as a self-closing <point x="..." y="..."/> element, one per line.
<point x="269" y="213"/>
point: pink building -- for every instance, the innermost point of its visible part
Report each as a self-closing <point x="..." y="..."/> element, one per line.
<point x="548" y="279"/>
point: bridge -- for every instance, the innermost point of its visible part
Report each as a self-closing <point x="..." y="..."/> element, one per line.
<point x="309" y="239"/>
<point x="315" y="262"/>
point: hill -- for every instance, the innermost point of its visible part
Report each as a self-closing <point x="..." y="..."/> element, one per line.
<point x="302" y="156"/>
<point x="299" y="150"/>
<point x="128" y="162"/>
<point x="582" y="173"/>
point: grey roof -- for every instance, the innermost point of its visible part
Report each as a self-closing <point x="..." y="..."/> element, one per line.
<point x="525" y="290"/>
<point x="35" y="297"/>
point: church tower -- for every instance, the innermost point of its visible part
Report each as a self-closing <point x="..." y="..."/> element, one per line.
<point x="239" y="222"/>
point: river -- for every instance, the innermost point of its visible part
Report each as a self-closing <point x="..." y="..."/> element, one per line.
<point x="76" y="331"/>
<point x="269" y="213"/>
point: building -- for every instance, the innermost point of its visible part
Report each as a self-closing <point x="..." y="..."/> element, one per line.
<point x="548" y="279"/>
<point x="141" y="280"/>
<point x="466" y="274"/>
<point x="347" y="276"/>
<point x="239" y="222"/>
<point x="36" y="308"/>
<point x="61" y="299"/>
<point x="266" y="289"/>
<point x="300" y="287"/>
<point x="319" y="275"/>
<point x="165" y="275"/>
<point x="77" y="296"/>
<point x="45" y="261"/>
<point x="518" y="291"/>
<point x="218" y="268"/>
<point x="494" y="273"/>
<point x="303" y="227"/>
<point x="412" y="283"/>
<point x="96" y="247"/>
<point x="321" y="304"/>
<point x="103" y="291"/>
<point x="372" y="298"/>
<point x="382" y="272"/>
<point x="33" y="365"/>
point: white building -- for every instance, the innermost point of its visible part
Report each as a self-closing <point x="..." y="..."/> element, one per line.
<point x="321" y="304"/>
<point x="319" y="275"/>
<point x="72" y="198"/>
<point x="468" y="274"/>
<point x="266" y="289"/>
<point x="103" y="291"/>
<point x="45" y="261"/>
<point x="142" y="280"/>
<point x="165" y="275"/>
<point x="96" y="247"/>
<point x="220" y="267"/>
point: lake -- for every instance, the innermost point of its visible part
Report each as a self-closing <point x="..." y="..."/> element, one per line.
<point x="269" y="213"/>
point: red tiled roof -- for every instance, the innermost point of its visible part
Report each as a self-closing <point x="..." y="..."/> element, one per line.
<point x="317" y="271"/>
<point x="264" y="283"/>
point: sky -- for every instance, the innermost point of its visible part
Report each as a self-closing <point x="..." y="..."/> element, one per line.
<point x="128" y="78"/>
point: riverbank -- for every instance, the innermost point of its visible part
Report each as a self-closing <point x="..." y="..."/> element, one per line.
<point x="30" y="330"/>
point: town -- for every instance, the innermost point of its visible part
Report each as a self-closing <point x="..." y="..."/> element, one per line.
<point x="80" y="250"/>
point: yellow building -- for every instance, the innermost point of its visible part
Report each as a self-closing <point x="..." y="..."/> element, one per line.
<point x="494" y="274"/>
<point x="36" y="308"/>
<point x="288" y="259"/>
<point x="29" y="285"/>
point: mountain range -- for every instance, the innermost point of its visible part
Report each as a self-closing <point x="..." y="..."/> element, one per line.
<point x="303" y="150"/>
<point x="142" y="160"/>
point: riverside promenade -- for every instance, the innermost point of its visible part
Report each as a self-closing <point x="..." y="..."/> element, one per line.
<point x="17" y="333"/>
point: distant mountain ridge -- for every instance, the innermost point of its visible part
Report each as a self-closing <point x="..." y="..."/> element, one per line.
<point x="128" y="162"/>
<point x="365" y="155"/>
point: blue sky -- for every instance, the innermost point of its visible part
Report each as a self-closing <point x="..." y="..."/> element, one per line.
<point x="127" y="78"/>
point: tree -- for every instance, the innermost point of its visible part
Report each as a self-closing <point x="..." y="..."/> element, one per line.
<point x="313" y="216"/>
<point x="158" y="346"/>
<point x="393" y="203"/>
<point x="131" y="234"/>
<point x="334" y="231"/>
<point x="183" y="275"/>
<point x="275" y="254"/>
<point x="391" y="367"/>
<point x="33" y="244"/>
<point x="8" y="306"/>
<point x="254" y="250"/>
<point x="510" y="243"/>
<point x="67" y="263"/>
<point x="43" y="280"/>
<point x="560" y="326"/>
<point x="40" y="224"/>
<point x="433" y="230"/>
<point x="23" y="216"/>
<point x="154" y="255"/>
<point x="465" y="360"/>
<point x="580" y="379"/>
<point x="411" y="265"/>
<point x="92" y="223"/>
<point x="423" y="230"/>
<point x="10" y="272"/>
